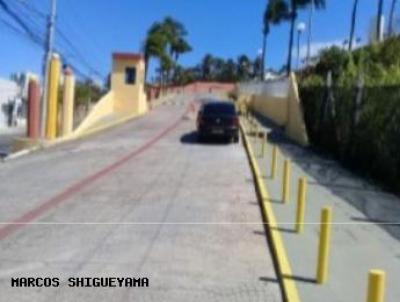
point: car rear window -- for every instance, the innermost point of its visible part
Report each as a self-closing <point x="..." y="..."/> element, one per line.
<point x="226" y="109"/>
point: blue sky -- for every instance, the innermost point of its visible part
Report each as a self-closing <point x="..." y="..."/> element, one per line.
<point x="221" y="27"/>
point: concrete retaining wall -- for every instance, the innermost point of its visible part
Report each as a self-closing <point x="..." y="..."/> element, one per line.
<point x="278" y="101"/>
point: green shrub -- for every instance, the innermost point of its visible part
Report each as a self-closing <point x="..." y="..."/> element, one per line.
<point x="373" y="145"/>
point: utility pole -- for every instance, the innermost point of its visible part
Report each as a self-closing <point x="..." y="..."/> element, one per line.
<point x="309" y="38"/>
<point x="379" y="22"/>
<point x="301" y="27"/>
<point x="46" y="60"/>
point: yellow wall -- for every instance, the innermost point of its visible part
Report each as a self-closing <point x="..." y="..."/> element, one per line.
<point x="272" y="107"/>
<point x="128" y="98"/>
<point x="296" y="127"/>
<point x="284" y="111"/>
<point x="103" y="108"/>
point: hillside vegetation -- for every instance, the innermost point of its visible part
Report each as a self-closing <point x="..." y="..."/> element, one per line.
<point x="357" y="119"/>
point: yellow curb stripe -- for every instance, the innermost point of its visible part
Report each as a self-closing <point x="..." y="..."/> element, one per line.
<point x="285" y="271"/>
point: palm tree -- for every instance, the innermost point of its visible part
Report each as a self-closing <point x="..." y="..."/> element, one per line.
<point x="391" y="18"/>
<point x="180" y="47"/>
<point x="275" y="12"/>
<point x="155" y="44"/>
<point x="295" y="5"/>
<point x="206" y="67"/>
<point x="165" y="41"/>
<point x="244" y="67"/>
<point x="310" y="27"/>
<point x="379" y="23"/>
<point x="175" y="33"/>
<point x="353" y="24"/>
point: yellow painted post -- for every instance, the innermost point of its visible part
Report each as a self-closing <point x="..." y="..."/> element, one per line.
<point x="301" y="204"/>
<point x="324" y="245"/>
<point x="376" y="286"/>
<point x="68" y="102"/>
<point x="274" y="161"/>
<point x="52" y="97"/>
<point x="286" y="181"/>
<point x="263" y="143"/>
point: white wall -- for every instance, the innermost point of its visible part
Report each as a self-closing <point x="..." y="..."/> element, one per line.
<point x="275" y="88"/>
<point x="8" y="91"/>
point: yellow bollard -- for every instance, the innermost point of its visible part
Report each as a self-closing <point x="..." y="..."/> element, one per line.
<point x="286" y="181"/>
<point x="376" y="286"/>
<point x="68" y="102"/>
<point x="52" y="97"/>
<point x="324" y="245"/>
<point x="274" y="161"/>
<point x="301" y="204"/>
<point x="263" y="143"/>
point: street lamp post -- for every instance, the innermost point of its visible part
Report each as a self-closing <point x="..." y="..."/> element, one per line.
<point x="301" y="27"/>
<point x="309" y="39"/>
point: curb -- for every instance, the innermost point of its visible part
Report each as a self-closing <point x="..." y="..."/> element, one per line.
<point x="279" y="253"/>
<point x="60" y="141"/>
<point x="93" y="131"/>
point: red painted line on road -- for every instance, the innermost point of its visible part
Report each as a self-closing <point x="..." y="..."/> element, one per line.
<point x="53" y="202"/>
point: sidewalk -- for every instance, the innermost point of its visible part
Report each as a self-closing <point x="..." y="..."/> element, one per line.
<point x="6" y="137"/>
<point x="359" y="243"/>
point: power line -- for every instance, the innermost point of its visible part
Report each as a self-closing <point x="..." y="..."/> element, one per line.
<point x="78" y="53"/>
<point x="32" y="8"/>
<point x="16" y="18"/>
<point x="29" y="28"/>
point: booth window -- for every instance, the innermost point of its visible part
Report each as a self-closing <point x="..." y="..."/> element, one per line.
<point x="130" y="75"/>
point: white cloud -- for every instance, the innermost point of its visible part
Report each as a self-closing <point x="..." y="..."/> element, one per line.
<point x="317" y="47"/>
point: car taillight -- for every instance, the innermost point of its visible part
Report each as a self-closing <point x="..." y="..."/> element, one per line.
<point x="235" y="121"/>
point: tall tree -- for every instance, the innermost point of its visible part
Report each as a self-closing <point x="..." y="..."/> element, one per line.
<point x="310" y="31"/>
<point x="229" y="71"/>
<point x="166" y="41"/>
<point x="275" y="12"/>
<point x="353" y="24"/>
<point x="180" y="47"/>
<point x="244" y="66"/>
<point x="391" y="18"/>
<point x="206" y="67"/>
<point x="295" y="6"/>
<point x="379" y="22"/>
<point x="175" y="33"/>
<point x="155" y="44"/>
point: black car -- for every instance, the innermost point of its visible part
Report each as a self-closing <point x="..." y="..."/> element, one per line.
<point x="218" y="119"/>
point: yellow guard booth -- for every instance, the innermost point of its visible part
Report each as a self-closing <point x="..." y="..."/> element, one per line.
<point x="126" y="98"/>
<point x="127" y="83"/>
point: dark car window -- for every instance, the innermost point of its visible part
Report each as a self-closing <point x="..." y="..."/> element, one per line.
<point x="224" y="109"/>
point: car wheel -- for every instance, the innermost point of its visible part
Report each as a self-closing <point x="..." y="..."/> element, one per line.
<point x="200" y="138"/>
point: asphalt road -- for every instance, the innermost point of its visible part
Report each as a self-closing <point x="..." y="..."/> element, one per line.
<point x="141" y="200"/>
